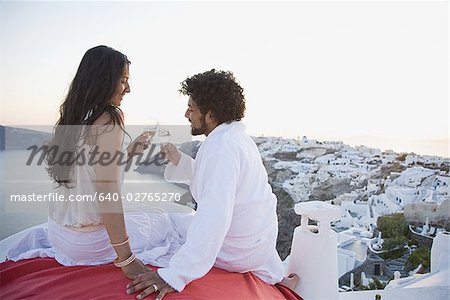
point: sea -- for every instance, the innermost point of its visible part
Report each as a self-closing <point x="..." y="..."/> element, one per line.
<point x="32" y="185"/>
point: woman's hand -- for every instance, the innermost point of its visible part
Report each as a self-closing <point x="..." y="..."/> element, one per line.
<point x="135" y="268"/>
<point x="139" y="145"/>
<point x="171" y="152"/>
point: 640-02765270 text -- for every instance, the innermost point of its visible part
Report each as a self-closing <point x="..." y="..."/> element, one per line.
<point x="130" y="197"/>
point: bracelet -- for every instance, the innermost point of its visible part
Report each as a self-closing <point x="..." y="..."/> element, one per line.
<point x="121" y="244"/>
<point x="126" y="262"/>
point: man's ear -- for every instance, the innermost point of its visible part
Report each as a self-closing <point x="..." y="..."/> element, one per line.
<point x="210" y="119"/>
<point x="209" y="116"/>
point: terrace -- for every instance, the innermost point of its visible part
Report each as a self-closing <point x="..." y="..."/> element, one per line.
<point x="318" y="269"/>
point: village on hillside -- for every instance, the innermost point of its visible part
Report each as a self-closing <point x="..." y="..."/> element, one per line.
<point x="392" y="204"/>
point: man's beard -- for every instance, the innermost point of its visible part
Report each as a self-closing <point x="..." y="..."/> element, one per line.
<point x="201" y="130"/>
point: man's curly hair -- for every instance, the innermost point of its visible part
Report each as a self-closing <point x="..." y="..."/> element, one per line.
<point x="218" y="92"/>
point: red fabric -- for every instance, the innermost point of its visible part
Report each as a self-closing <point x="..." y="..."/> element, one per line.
<point x="44" y="278"/>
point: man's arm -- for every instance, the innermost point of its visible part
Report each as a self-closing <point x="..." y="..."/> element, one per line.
<point x="214" y="188"/>
<point x="181" y="165"/>
<point x="215" y="184"/>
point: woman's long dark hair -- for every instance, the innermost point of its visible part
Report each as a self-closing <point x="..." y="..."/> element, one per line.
<point x="90" y="95"/>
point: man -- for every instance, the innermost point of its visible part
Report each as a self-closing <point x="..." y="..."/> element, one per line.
<point x="235" y="227"/>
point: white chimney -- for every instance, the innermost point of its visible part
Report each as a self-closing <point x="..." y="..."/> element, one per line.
<point x="314" y="251"/>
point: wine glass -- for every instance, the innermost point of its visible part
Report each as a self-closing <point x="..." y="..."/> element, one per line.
<point x="151" y="128"/>
<point x="164" y="139"/>
<point x="164" y="136"/>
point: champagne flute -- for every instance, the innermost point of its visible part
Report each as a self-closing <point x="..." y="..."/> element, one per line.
<point x="149" y="131"/>
<point x="164" y="139"/>
<point x="151" y="128"/>
<point x="164" y="136"/>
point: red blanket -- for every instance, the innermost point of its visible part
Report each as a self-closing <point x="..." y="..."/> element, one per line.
<point x="44" y="278"/>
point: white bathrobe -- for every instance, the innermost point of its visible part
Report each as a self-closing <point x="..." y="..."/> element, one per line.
<point x="235" y="227"/>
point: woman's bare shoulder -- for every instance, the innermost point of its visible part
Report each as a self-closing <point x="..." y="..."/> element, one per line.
<point x="107" y="119"/>
<point x="104" y="119"/>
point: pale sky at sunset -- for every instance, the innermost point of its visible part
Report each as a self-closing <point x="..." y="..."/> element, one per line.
<point x="327" y="70"/>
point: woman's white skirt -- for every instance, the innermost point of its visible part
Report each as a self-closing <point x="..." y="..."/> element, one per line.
<point x="154" y="237"/>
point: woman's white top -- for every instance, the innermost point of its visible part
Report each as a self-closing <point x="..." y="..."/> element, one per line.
<point x="80" y="207"/>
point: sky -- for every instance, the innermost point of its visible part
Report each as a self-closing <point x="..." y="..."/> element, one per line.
<point x="373" y="73"/>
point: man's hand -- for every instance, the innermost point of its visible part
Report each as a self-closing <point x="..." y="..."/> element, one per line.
<point x="171" y="152"/>
<point x="150" y="283"/>
<point x="291" y="281"/>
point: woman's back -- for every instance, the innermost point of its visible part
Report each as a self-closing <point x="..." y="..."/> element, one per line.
<point x="79" y="207"/>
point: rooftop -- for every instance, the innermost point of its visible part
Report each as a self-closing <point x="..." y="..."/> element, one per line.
<point x="319" y="280"/>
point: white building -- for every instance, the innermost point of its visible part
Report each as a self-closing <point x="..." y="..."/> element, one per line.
<point x="382" y="205"/>
<point x="305" y="142"/>
<point x="402" y="195"/>
<point x="320" y="269"/>
<point x="368" y="152"/>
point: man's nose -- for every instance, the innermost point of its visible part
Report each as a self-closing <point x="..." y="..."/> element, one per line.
<point x="186" y="114"/>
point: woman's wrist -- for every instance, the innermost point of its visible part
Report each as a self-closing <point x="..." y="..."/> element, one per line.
<point x="121" y="263"/>
<point x="123" y="252"/>
<point x="122" y="248"/>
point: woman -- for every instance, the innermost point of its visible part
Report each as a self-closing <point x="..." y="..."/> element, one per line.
<point x="85" y="158"/>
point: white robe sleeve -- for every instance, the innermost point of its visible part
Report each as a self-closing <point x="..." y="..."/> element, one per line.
<point x="182" y="172"/>
<point x="215" y="184"/>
